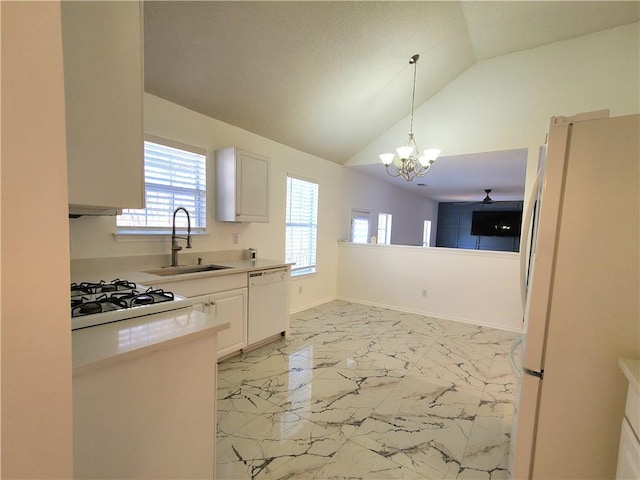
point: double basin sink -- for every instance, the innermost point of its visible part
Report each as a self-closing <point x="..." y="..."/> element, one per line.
<point x="166" y="271"/>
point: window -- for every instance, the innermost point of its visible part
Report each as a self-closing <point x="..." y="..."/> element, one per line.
<point x="301" y="225"/>
<point x="426" y="234"/>
<point x="360" y="226"/>
<point x="173" y="177"/>
<point x="384" y="228"/>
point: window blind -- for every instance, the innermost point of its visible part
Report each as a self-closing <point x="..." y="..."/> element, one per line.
<point x="301" y="225"/>
<point x="173" y="178"/>
<point x="360" y="230"/>
<point x="384" y="228"/>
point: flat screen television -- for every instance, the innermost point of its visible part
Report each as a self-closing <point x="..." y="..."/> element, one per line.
<point x="496" y="223"/>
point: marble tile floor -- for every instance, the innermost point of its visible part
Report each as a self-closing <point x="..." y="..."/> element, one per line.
<point x="359" y="392"/>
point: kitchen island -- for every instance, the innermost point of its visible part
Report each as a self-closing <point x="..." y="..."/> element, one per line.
<point x="144" y="394"/>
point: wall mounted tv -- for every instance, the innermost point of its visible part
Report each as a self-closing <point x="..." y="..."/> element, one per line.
<point x="496" y="223"/>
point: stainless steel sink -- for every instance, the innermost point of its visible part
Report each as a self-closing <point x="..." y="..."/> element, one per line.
<point x="165" y="271"/>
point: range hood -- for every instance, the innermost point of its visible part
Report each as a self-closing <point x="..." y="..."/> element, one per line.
<point x="75" y="211"/>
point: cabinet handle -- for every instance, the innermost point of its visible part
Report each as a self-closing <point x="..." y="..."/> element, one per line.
<point x="206" y="304"/>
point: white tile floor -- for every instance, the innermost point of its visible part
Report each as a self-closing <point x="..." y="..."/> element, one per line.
<point x="360" y="392"/>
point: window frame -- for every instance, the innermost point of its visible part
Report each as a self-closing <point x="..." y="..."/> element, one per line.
<point x="150" y="232"/>
<point x="356" y="215"/>
<point x="311" y="268"/>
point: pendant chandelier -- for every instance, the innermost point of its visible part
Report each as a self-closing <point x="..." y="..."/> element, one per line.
<point x="408" y="162"/>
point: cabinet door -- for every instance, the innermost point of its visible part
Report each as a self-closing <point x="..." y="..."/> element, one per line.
<point x="102" y="46"/>
<point x="202" y="304"/>
<point x="252" y="187"/>
<point x="231" y="306"/>
<point x="628" y="453"/>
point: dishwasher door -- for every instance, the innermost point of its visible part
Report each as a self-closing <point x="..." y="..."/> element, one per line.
<point x="268" y="306"/>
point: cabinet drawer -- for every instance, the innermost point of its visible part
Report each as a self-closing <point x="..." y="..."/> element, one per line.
<point x="201" y="286"/>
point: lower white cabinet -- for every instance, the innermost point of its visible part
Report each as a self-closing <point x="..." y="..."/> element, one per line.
<point x="629" y="447"/>
<point x="628" y="454"/>
<point x="255" y="314"/>
<point x="232" y="306"/>
<point x="149" y="413"/>
<point x="222" y="295"/>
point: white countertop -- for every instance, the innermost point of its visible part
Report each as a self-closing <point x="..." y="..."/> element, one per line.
<point x="140" y="275"/>
<point x="104" y="345"/>
<point x="631" y="369"/>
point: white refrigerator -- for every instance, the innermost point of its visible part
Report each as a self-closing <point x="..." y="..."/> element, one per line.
<point x="580" y="265"/>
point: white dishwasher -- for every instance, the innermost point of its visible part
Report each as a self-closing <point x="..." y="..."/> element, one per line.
<point x="268" y="305"/>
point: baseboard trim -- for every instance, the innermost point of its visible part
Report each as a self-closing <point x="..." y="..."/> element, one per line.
<point x="313" y="305"/>
<point x="467" y="321"/>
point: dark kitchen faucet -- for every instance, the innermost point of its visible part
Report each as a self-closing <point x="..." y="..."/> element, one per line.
<point x="175" y="248"/>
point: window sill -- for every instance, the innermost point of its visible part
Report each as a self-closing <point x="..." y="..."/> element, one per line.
<point x="303" y="272"/>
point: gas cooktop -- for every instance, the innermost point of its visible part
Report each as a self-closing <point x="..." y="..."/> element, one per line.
<point x="96" y="303"/>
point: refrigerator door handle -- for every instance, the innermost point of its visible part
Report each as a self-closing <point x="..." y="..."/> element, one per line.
<point x="524" y="239"/>
<point x="517" y="369"/>
<point x="539" y="375"/>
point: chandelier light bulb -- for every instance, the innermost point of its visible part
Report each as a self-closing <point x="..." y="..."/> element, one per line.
<point x="431" y="153"/>
<point x="387" y="158"/>
<point x="404" y="152"/>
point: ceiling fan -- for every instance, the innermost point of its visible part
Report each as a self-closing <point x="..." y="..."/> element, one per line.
<point x="487" y="200"/>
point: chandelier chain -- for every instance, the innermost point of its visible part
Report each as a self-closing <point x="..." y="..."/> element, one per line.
<point x="413" y="95"/>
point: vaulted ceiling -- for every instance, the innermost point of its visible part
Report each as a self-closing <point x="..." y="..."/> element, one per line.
<point x="324" y="77"/>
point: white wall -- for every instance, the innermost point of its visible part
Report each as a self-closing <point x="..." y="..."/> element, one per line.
<point x="409" y="211"/>
<point x="339" y="188"/>
<point x="506" y="102"/>
<point x="498" y="104"/>
<point x="36" y="338"/>
<point x="470" y="286"/>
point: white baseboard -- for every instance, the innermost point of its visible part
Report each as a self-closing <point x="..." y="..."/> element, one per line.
<point x="313" y="305"/>
<point x="467" y="321"/>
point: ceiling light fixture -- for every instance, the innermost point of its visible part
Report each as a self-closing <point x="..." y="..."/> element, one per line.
<point x="407" y="162"/>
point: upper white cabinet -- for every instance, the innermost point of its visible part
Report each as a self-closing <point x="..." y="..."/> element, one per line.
<point x="242" y="186"/>
<point x="103" y="74"/>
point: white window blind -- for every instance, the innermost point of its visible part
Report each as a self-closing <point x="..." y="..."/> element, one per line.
<point x="384" y="228"/>
<point x="301" y="225"/>
<point x="173" y="178"/>
<point x="426" y="234"/>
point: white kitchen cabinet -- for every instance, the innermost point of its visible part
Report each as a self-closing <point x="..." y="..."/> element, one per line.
<point x="103" y="75"/>
<point x="221" y="295"/>
<point x="629" y="447"/>
<point x="144" y="397"/>
<point x="242" y="186"/>
<point x="232" y="307"/>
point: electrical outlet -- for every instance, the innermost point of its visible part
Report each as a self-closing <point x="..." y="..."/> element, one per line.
<point x="235" y="238"/>
<point x="424" y="292"/>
